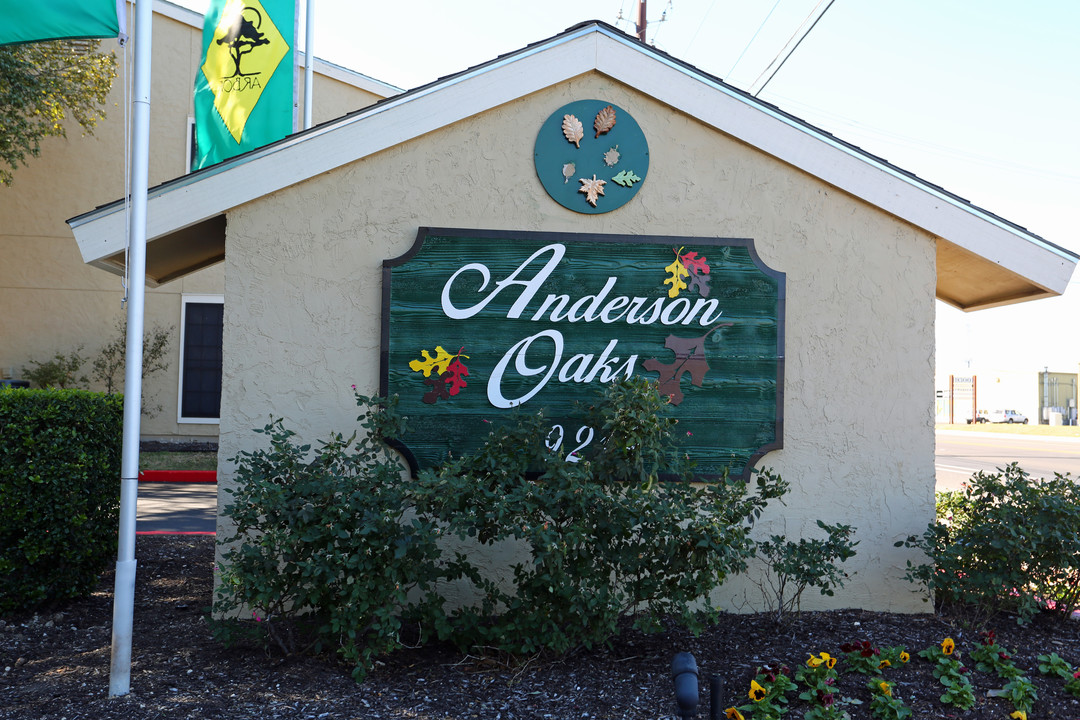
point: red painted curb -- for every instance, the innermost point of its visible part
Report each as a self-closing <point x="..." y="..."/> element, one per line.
<point x="191" y="476"/>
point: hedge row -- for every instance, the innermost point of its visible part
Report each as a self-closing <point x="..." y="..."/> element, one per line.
<point x="59" y="493"/>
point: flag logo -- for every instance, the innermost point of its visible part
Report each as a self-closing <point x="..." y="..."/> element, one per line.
<point x="246" y="49"/>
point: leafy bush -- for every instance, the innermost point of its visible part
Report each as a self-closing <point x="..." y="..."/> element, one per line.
<point x="62" y="371"/>
<point x="325" y="551"/>
<point x="59" y="493"/>
<point x="621" y="533"/>
<point x="1013" y="544"/>
<point x="111" y="360"/>
<point x="792" y="567"/>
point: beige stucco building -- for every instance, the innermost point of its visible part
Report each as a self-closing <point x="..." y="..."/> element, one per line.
<point x="305" y="224"/>
<point x="52" y="300"/>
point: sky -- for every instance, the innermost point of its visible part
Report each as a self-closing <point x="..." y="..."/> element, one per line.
<point x="981" y="97"/>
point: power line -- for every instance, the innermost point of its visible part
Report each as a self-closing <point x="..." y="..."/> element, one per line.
<point x="788" y="53"/>
<point x="758" y="32"/>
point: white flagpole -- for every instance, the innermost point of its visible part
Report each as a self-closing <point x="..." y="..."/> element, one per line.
<point x="309" y="62"/>
<point x="124" y="594"/>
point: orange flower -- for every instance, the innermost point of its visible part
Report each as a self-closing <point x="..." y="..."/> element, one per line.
<point x="757" y="693"/>
<point x="884" y="664"/>
<point x="1019" y="715"/>
<point x="886" y="689"/>
<point x="947" y="646"/>
<point x="904" y="657"/>
<point x="733" y="714"/>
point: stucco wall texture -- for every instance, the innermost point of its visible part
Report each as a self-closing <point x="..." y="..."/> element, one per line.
<point x="303" y="289"/>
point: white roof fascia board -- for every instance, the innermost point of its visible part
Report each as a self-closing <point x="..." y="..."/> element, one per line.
<point x="206" y="194"/>
<point x="174" y="206"/>
<point x="853" y="172"/>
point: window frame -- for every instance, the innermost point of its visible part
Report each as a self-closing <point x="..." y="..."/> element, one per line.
<point x="185" y="299"/>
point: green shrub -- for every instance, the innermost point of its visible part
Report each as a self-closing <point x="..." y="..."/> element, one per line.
<point x="325" y="551"/>
<point x="59" y="493"/>
<point x="792" y="567"/>
<point x="62" y="371"/>
<point x="1012" y="544"/>
<point x="620" y="533"/>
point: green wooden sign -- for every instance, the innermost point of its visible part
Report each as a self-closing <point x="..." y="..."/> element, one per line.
<point x="478" y="323"/>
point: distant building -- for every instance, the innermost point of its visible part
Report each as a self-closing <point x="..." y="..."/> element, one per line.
<point x="52" y="301"/>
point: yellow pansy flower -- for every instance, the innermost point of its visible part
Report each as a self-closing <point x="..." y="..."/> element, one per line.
<point x="885" y="688"/>
<point x="947" y="646"/>
<point x="757" y="693"/>
<point x="733" y="714"/>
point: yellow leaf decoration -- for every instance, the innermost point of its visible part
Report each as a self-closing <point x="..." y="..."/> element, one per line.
<point x="605" y="120"/>
<point x="441" y="361"/>
<point x="592" y="188"/>
<point x="573" y="129"/>
<point x="678" y="272"/>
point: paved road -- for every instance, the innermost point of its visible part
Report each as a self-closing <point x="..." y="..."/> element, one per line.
<point x="176" y="507"/>
<point x="961" y="453"/>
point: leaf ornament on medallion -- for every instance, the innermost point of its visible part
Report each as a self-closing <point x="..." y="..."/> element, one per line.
<point x="592" y="188"/>
<point x="605" y="120"/>
<point x="573" y="130"/>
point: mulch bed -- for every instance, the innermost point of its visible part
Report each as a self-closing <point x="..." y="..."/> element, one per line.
<point x="55" y="664"/>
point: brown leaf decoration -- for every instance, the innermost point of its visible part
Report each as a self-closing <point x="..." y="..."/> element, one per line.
<point x="592" y="188"/>
<point x="605" y="120"/>
<point x="573" y="129"/>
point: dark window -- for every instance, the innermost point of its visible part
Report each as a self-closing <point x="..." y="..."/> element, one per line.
<point x="201" y="374"/>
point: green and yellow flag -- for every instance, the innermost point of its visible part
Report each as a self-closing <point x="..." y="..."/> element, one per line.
<point x="22" y="21"/>
<point x="244" y="89"/>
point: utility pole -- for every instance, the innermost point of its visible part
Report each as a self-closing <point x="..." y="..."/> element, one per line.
<point x="641" y="22"/>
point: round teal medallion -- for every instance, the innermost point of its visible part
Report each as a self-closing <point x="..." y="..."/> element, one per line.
<point x="591" y="156"/>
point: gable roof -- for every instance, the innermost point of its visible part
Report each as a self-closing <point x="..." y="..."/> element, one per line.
<point x="983" y="260"/>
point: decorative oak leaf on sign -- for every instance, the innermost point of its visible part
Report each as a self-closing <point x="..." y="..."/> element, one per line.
<point x="699" y="271"/>
<point x="694" y="263"/>
<point x="611" y="157"/>
<point x="456" y="373"/>
<point x="450" y="379"/>
<point x="438" y="391"/>
<point x="605" y="120"/>
<point x="440" y="362"/>
<point x="699" y="283"/>
<point x="689" y="358"/>
<point x="626" y="178"/>
<point x="678" y="272"/>
<point x="592" y="188"/>
<point x="573" y="130"/>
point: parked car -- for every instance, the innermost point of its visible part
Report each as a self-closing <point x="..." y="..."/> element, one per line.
<point x="982" y="417"/>
<point x="1008" y="416"/>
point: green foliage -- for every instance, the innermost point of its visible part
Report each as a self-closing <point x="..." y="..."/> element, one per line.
<point x="111" y="361"/>
<point x="1053" y="664"/>
<point x="951" y="674"/>
<point x="41" y="84"/>
<point x="325" y="550"/>
<point x="792" y="567"/>
<point x="62" y="371"/>
<point x="617" y="534"/>
<point x="768" y="693"/>
<point x="59" y="493"/>
<point x="884" y="704"/>
<point x="819" y="677"/>
<point x="1013" y="544"/>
